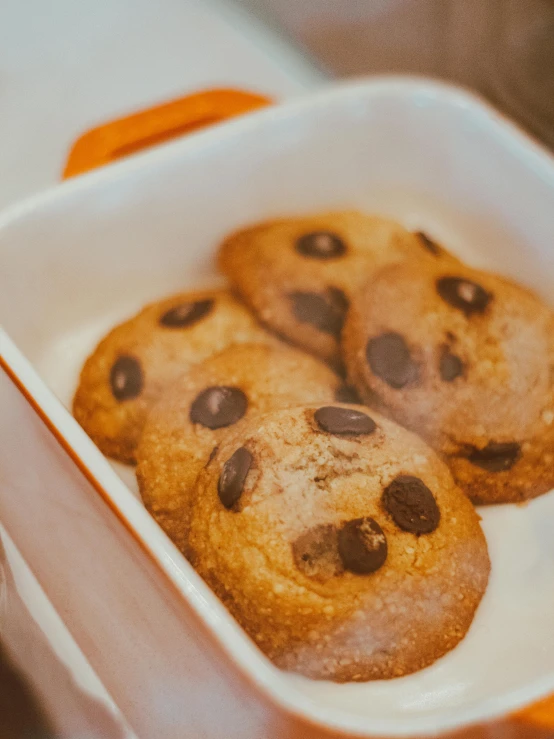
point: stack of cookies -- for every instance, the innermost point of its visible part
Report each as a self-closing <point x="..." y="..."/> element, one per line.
<point x="341" y="536"/>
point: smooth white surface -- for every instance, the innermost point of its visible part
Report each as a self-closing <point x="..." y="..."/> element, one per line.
<point x="66" y="66"/>
<point x="431" y="156"/>
<point x="39" y="643"/>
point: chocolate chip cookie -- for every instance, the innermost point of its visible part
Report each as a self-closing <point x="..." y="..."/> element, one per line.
<point x="197" y="411"/>
<point x="463" y="358"/>
<point x="298" y="274"/>
<point x="132" y="365"/>
<point x="340" y="543"/>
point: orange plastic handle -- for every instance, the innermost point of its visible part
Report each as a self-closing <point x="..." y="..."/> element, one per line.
<point x="540" y="714"/>
<point x="129" y="135"/>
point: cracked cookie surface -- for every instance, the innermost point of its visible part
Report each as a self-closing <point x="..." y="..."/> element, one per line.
<point x="340" y="543"/>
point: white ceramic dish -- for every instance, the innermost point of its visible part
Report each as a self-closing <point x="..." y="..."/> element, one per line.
<point x="38" y="643"/>
<point x="79" y="258"/>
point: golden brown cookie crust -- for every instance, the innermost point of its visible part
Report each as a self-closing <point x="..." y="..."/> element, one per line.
<point x="162" y="352"/>
<point x="474" y="381"/>
<point x="531" y="475"/>
<point x="323" y="622"/>
<point x="173" y="449"/>
<point x="276" y="273"/>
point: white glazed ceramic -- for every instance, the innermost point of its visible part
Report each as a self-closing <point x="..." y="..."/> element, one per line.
<point x="90" y="252"/>
<point x="40" y="646"/>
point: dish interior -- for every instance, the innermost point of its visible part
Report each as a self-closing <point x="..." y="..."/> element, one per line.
<point x="81" y="259"/>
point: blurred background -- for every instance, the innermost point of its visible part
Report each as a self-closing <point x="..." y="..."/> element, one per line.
<point x="503" y="48"/>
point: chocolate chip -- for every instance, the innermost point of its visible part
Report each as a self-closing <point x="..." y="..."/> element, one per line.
<point x="186" y="314"/>
<point x="344" y="421"/>
<point x="496" y="457"/>
<point x="233" y="475"/>
<point x="389" y="357"/>
<point x="212" y="455"/>
<point x="126" y="378"/>
<point x="316" y="552"/>
<point x="451" y="366"/>
<point x="429" y="244"/>
<point x="337" y="299"/>
<point x="326" y="311"/>
<point x="347" y="394"/>
<point x="362" y="546"/>
<point x="321" y="245"/>
<point x="411" y="504"/>
<point x="218" y="406"/>
<point x="465" y="295"/>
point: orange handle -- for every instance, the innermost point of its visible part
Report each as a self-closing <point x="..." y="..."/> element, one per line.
<point x="128" y="135"/>
<point x="540" y="714"/>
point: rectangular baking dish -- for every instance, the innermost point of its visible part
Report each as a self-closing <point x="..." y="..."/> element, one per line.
<point x="82" y="256"/>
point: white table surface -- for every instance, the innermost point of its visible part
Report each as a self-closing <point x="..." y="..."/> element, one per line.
<point x="67" y="65"/>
